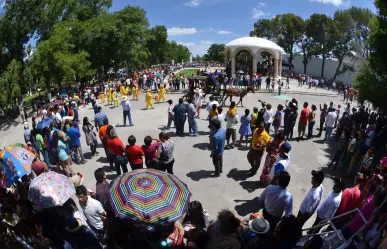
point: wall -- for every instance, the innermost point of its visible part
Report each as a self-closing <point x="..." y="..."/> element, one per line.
<point x="314" y="67"/>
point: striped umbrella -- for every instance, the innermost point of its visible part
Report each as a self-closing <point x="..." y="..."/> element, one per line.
<point x="149" y="197"/>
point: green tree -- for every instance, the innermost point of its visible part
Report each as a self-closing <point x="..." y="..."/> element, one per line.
<point x="216" y="52"/>
<point x="10" y="83"/>
<point x="323" y="33"/>
<point x="290" y="31"/>
<point x="371" y="79"/>
<point x="266" y="28"/>
<point x="157" y="45"/>
<point x="345" y="43"/>
<point x="363" y="23"/>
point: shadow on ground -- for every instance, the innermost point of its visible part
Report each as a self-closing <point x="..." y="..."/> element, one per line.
<point x="102" y="160"/>
<point x="247" y="206"/>
<point x="198" y="175"/>
<point x="6" y="123"/>
<point x="201" y="146"/>
<point x="251" y="186"/>
<point x="238" y="175"/>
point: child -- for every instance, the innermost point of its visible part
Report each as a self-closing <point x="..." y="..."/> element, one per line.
<point x="148" y="99"/>
<point x="231" y="122"/>
<point x="135" y="92"/>
<point x="115" y="99"/>
<point x="245" y="129"/>
<point x="213" y="111"/>
<point x="254" y="118"/>
<point x="277" y="119"/>
<point x="102" y="98"/>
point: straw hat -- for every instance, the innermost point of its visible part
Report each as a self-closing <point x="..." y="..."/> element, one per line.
<point x="124" y="98"/>
<point x="198" y="90"/>
<point x="73" y="224"/>
<point x="77" y="179"/>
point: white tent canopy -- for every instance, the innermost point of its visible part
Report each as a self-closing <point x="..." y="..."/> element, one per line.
<point x="255" y="46"/>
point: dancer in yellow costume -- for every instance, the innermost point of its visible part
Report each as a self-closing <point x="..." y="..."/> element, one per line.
<point x="148" y="99"/>
<point x="115" y="99"/>
<point x="110" y="96"/>
<point x="127" y="90"/>
<point x="135" y="92"/>
<point x="122" y="89"/>
<point x="162" y="93"/>
<point x="102" y="97"/>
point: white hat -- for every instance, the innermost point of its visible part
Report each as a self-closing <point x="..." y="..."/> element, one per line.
<point x="198" y="90"/>
<point x="124" y="98"/>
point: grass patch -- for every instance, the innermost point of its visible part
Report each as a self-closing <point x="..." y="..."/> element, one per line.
<point x="188" y="72"/>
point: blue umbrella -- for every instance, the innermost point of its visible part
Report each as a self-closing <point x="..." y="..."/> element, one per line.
<point x="15" y="163"/>
<point x="44" y="123"/>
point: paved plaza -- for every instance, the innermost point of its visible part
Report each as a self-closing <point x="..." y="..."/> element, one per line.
<point x="233" y="190"/>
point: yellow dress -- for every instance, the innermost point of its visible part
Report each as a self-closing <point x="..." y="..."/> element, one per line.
<point x="122" y="90"/>
<point x="148" y="100"/>
<point x="109" y="97"/>
<point x="162" y="93"/>
<point x="102" y="97"/>
<point x="115" y="99"/>
<point x="135" y="93"/>
<point x="127" y="91"/>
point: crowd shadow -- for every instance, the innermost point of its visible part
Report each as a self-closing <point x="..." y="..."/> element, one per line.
<point x="199" y="175"/>
<point x="88" y="155"/>
<point x="201" y="146"/>
<point x="203" y="133"/>
<point x="111" y="177"/>
<point x="251" y="186"/>
<point x="238" y="175"/>
<point x="6" y="123"/>
<point x="247" y="206"/>
<point x="106" y="169"/>
<point x="102" y="160"/>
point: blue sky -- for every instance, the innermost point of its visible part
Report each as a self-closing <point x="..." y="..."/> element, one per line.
<point x="199" y="23"/>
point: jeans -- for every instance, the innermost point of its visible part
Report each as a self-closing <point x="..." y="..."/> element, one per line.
<point x="127" y="114"/>
<point x="267" y="127"/>
<point x="255" y="157"/>
<point x="167" y="166"/>
<point x="78" y="154"/>
<point x="180" y="127"/>
<point x="136" y="166"/>
<point x="46" y="157"/>
<point x="217" y="160"/>
<point x="193" y="126"/>
<point x="170" y="120"/>
<point x="310" y="128"/>
<point x="120" y="162"/>
<point x="328" y="132"/>
<point x="273" y="220"/>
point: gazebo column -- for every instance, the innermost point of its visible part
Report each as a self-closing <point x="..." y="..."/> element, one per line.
<point x="280" y="66"/>
<point x="255" y="62"/>
<point x="233" y="64"/>
<point x="275" y="68"/>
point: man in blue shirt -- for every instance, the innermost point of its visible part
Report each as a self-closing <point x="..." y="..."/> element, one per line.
<point x="192" y="123"/>
<point x="217" y="146"/>
<point x="75" y="143"/>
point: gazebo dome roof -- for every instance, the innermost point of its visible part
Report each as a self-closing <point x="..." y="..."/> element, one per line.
<point x="254" y="44"/>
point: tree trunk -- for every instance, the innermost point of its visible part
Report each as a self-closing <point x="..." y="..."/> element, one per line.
<point x="338" y="67"/>
<point x="323" y="66"/>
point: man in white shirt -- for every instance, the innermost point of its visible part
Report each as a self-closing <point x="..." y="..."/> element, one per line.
<point x="231" y="122"/>
<point x="126" y="108"/>
<point x="327" y="208"/>
<point x="128" y="81"/>
<point x="312" y="199"/>
<point x="268" y="118"/>
<point x="92" y="209"/>
<point x="276" y="200"/>
<point x="330" y="122"/>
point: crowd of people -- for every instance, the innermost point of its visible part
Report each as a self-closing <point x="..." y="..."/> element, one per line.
<point x="55" y="137"/>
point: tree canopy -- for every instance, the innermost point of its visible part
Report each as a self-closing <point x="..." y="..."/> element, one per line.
<point x="76" y="40"/>
<point x="344" y="34"/>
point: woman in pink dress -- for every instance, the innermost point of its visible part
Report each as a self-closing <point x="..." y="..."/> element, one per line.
<point x="272" y="154"/>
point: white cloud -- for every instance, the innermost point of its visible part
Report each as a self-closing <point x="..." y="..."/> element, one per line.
<point x="198" y="50"/>
<point x="2" y="3"/>
<point x="187" y="44"/>
<point x="333" y="2"/>
<point x="193" y="3"/>
<point x="262" y="4"/>
<point x="182" y="31"/>
<point x="206" y="42"/>
<point x="224" y="32"/>
<point x="258" y="14"/>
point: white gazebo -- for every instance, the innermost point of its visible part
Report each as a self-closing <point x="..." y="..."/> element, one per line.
<point x="255" y="46"/>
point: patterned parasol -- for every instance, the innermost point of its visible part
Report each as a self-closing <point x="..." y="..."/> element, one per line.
<point x="50" y="190"/>
<point x="149" y="197"/>
<point x="15" y="162"/>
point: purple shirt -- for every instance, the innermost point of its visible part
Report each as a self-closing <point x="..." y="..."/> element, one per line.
<point x="357" y="222"/>
<point x="150" y="152"/>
